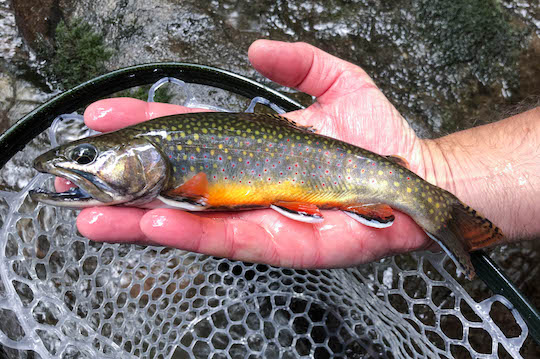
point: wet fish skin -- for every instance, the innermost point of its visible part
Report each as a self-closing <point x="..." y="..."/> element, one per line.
<point x="225" y="161"/>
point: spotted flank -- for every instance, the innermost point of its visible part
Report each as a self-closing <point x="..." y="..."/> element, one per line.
<point x="238" y="161"/>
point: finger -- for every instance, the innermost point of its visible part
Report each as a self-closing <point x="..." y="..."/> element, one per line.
<point x="223" y="237"/>
<point x="307" y="68"/>
<point x="266" y="237"/>
<point x="114" y="113"/>
<point x="112" y="224"/>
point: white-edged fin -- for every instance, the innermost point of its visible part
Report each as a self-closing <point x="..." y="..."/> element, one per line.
<point x="459" y="266"/>
<point x="368" y="222"/>
<point x="186" y="206"/>
<point x="306" y="218"/>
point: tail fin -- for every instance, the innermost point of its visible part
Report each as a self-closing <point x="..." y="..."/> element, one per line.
<point x="477" y="231"/>
<point x="466" y="231"/>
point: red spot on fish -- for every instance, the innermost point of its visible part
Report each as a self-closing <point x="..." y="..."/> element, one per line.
<point x="299" y="153"/>
<point x="350" y="160"/>
<point x="240" y="181"/>
<point x="247" y="162"/>
<point x="204" y="156"/>
<point x="223" y="170"/>
<point x="289" y="168"/>
<point x="390" y="172"/>
<point x="302" y="181"/>
<point x="320" y="150"/>
<point x="408" y="178"/>
<point x="219" y="158"/>
<point x="363" y="170"/>
<point x="192" y="157"/>
<point x="170" y="156"/>
<point x="267" y="160"/>
<point x="214" y="176"/>
<point x="226" y="138"/>
<point x="326" y="153"/>
<point x="349" y="178"/>
<point x="317" y="143"/>
<point x="183" y="168"/>
<point x="288" y="140"/>
<point x="225" y="177"/>
<point x="270" y="145"/>
<point x="247" y="143"/>
<point x="257" y="164"/>
<point x="341" y="155"/>
<point x="269" y="179"/>
<point x="373" y="164"/>
<point x="212" y="137"/>
<point x="323" y="184"/>
<point x="233" y="165"/>
<point x="326" y="171"/>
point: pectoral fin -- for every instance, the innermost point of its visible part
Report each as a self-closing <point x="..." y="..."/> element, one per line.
<point x="372" y="215"/>
<point x="190" y="196"/>
<point x="299" y="211"/>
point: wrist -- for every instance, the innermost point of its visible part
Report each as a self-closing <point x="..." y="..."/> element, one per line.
<point x="493" y="169"/>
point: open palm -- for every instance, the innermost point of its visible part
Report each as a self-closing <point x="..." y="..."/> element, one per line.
<point x="349" y="107"/>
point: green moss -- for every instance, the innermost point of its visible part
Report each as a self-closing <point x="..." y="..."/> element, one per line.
<point x="141" y="93"/>
<point x="77" y="54"/>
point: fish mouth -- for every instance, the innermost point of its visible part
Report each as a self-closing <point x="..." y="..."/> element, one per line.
<point x="90" y="190"/>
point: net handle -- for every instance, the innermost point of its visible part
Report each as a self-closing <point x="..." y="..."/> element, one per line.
<point x="37" y="121"/>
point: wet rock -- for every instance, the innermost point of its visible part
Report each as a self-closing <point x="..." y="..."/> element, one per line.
<point x="36" y="18"/>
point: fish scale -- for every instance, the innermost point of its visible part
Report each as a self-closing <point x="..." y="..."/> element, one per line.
<point x="232" y="161"/>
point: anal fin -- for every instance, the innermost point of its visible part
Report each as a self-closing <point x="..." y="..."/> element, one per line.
<point x="373" y="215"/>
<point x="299" y="211"/>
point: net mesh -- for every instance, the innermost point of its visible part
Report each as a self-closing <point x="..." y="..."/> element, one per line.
<point x="63" y="296"/>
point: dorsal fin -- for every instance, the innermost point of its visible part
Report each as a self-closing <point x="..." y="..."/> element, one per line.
<point x="399" y="160"/>
<point x="291" y="122"/>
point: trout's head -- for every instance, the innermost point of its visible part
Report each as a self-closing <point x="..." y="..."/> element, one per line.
<point x="108" y="170"/>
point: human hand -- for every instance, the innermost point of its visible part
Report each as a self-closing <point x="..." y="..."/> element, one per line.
<point x="349" y="107"/>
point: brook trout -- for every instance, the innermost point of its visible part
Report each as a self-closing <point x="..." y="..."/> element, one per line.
<point x="226" y="161"/>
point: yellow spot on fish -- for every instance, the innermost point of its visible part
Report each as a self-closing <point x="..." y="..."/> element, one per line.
<point x="437" y="205"/>
<point x="192" y="168"/>
<point x="259" y="140"/>
<point x="220" y="146"/>
<point x="430" y="199"/>
<point x="250" y="154"/>
<point x="198" y="149"/>
<point x="409" y="190"/>
<point x="214" y="165"/>
<point x="239" y="159"/>
<point x="431" y="211"/>
<point x="396" y="184"/>
<point x="182" y="134"/>
<point x="229" y="158"/>
<point x="380" y="173"/>
<point x="212" y="152"/>
<point x="179" y="147"/>
<point x="185" y="157"/>
<point x="173" y="128"/>
<point x="189" y="142"/>
<point x="169" y="138"/>
<point x="204" y="130"/>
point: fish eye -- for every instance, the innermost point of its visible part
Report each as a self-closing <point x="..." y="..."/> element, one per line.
<point x="84" y="154"/>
